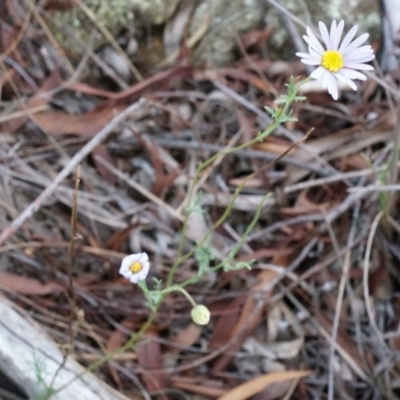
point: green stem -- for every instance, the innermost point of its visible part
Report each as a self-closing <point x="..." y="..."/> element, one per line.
<point x="250" y="227"/>
<point x="178" y="288"/>
<point x="182" y="258"/>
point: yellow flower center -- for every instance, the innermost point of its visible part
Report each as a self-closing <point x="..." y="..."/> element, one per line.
<point x="135" y="267"/>
<point x="332" y="60"/>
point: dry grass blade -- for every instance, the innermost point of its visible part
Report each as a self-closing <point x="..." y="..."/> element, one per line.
<point x="256" y="385"/>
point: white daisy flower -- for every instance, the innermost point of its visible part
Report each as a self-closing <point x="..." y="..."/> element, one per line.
<point x="337" y="62"/>
<point x="135" y="267"/>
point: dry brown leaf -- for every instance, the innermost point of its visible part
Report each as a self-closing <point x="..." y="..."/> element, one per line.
<point x="150" y="358"/>
<point x="199" y="387"/>
<point x="6" y="76"/>
<point x="304" y="205"/>
<point x="157" y="81"/>
<point x="186" y="337"/>
<point x="354" y="162"/>
<point x="247" y="77"/>
<point x="226" y="322"/>
<point x="87" y="89"/>
<point x="273" y="146"/>
<point x="248" y="183"/>
<point x="56" y="122"/>
<point x="86" y="279"/>
<point x="248" y="320"/>
<point x="164" y="178"/>
<point x="41" y="97"/>
<point x="102" y="152"/>
<point x="255" y="386"/>
<point x="115" y="341"/>
<point x="267" y="252"/>
<point x="118" y="337"/>
<point x="29" y="286"/>
<point x="256" y="37"/>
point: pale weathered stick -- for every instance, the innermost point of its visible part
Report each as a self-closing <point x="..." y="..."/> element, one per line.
<point x="72" y="164"/>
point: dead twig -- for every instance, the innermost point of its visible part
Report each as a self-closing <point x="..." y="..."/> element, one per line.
<point x="69" y="348"/>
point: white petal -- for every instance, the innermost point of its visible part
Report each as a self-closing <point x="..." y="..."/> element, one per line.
<point x="348" y="38"/>
<point x="332" y="31"/>
<point x="308" y="61"/>
<point x="126" y="274"/>
<point x="314" y="53"/>
<point x="332" y="87"/>
<point x="317" y="73"/>
<point x="144" y="272"/>
<point x="313" y="41"/>
<point x="337" y="35"/>
<point x="324" y="79"/>
<point x="134" y="278"/>
<point x="366" y="48"/>
<point x="312" y="57"/>
<point x="352" y="74"/>
<point x="144" y="257"/>
<point x="344" y="79"/>
<point x="124" y="268"/>
<point x="362" y="67"/>
<point x="304" y="55"/>
<point x="132" y="258"/>
<point x="359" y="55"/>
<point x="325" y="35"/>
<point x="358" y="60"/>
<point x="311" y="45"/>
<point x="357" y="43"/>
<point x="146" y="267"/>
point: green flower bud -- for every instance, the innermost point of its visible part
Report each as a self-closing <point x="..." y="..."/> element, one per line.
<point x="200" y="315"/>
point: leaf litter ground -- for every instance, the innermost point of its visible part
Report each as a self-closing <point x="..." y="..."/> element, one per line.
<point x="271" y="330"/>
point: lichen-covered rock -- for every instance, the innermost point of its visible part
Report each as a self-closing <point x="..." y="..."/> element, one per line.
<point x="224" y="19"/>
<point x="227" y="19"/>
<point x="154" y="12"/>
<point x="365" y="13"/>
<point x="113" y="15"/>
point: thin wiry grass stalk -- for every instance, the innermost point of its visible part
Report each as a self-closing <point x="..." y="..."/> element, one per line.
<point x="339" y="302"/>
<point x="367" y="257"/>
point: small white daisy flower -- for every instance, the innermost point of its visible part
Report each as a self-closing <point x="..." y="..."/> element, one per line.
<point x="337" y="62"/>
<point x="135" y="267"/>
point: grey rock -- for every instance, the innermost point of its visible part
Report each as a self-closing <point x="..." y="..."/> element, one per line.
<point x="225" y="20"/>
<point x="113" y="15"/>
